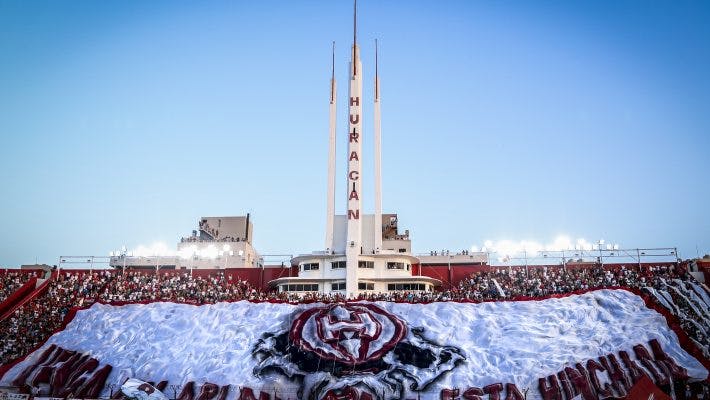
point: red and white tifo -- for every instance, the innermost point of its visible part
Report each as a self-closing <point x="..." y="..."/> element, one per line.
<point x="596" y="343"/>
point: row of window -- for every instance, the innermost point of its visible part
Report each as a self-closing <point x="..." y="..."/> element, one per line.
<point x="397" y="265"/>
<point x="406" y="286"/>
<point x="311" y="266"/>
<point x="366" y="264"/>
<point x="366" y="286"/>
<point x="313" y="287"/>
<point x="360" y="264"/>
<point x="307" y="287"/>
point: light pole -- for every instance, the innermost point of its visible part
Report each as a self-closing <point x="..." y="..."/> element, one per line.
<point x="227" y="251"/>
<point x="601" y="256"/>
<point x="451" y="284"/>
<point x="564" y="261"/>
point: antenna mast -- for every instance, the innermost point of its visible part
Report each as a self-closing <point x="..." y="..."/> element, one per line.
<point x="355" y="38"/>
<point x="377" y="84"/>
<point x="332" y="77"/>
<point x="355" y="23"/>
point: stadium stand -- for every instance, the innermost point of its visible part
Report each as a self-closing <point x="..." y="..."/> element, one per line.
<point x="11" y="280"/>
<point x="43" y="312"/>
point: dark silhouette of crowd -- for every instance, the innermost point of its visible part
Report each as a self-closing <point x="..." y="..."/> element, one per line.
<point x="30" y="325"/>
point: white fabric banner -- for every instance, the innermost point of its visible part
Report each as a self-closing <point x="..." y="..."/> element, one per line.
<point x="139" y="390"/>
<point x="387" y="350"/>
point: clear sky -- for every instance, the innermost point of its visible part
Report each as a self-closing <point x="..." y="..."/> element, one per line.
<point x="124" y="122"/>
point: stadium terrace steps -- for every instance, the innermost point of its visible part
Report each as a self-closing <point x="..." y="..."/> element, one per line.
<point x="17" y="296"/>
<point x="34" y="288"/>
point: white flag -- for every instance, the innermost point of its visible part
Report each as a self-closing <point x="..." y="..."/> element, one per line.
<point x="137" y="389"/>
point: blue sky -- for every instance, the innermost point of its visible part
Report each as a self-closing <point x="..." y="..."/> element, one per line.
<point x="124" y="122"/>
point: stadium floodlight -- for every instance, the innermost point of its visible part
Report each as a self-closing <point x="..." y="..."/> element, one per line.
<point x="189" y="252"/>
<point x="210" y="252"/>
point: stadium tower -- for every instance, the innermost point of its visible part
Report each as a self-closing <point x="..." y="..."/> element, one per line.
<point x="354" y="178"/>
<point x="363" y="252"/>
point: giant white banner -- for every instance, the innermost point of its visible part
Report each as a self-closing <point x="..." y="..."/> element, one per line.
<point x="592" y="345"/>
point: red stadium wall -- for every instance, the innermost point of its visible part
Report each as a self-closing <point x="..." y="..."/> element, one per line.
<point x="260" y="277"/>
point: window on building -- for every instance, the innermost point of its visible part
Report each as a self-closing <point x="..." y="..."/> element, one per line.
<point x="337" y="286"/>
<point x="406" y="286"/>
<point x="402" y="250"/>
<point x="396" y="265"/>
<point x="307" y="287"/>
<point x="366" y="264"/>
<point x="311" y="266"/>
<point x="338" y="264"/>
<point x="365" y="286"/>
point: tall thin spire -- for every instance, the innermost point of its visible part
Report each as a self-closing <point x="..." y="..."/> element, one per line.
<point x="332" y="77"/>
<point x="355" y="57"/>
<point x="377" y="76"/>
<point x="330" y="208"/>
<point x="355" y="23"/>
<point x="378" y="160"/>
<point x="354" y="214"/>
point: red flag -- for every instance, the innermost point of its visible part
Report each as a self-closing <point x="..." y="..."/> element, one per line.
<point x="644" y="389"/>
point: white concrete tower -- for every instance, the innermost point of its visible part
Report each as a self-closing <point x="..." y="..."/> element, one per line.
<point x="378" y="162"/>
<point x="331" y="162"/>
<point x="354" y="212"/>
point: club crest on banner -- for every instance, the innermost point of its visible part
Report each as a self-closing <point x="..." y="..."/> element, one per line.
<point x="337" y="350"/>
<point x="348" y="333"/>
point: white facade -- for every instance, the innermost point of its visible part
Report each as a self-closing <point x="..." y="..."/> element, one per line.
<point x="363" y="252"/>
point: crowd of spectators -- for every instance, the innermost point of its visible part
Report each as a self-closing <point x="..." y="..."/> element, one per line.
<point x="37" y="319"/>
<point x="179" y="287"/>
<point x="11" y="281"/>
<point x="31" y="324"/>
<point x="516" y="282"/>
